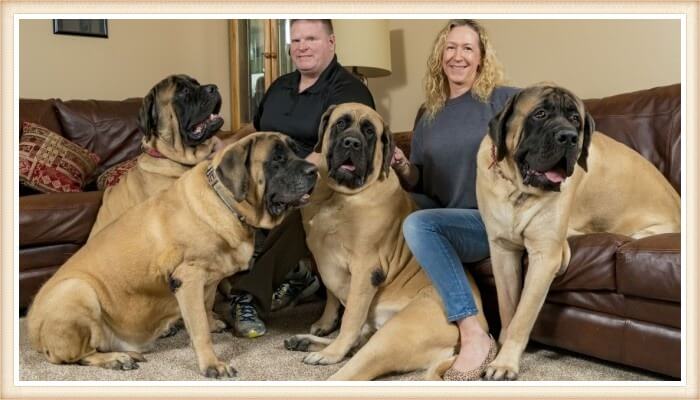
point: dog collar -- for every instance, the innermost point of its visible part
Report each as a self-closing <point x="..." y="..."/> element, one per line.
<point x="493" y="156"/>
<point x="154" y="153"/>
<point x="223" y="193"/>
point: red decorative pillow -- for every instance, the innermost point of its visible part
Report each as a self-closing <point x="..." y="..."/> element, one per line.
<point x="113" y="175"/>
<point x="49" y="162"/>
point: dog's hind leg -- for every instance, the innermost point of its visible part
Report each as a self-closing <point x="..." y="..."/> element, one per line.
<point x="75" y="333"/>
<point x="115" y="360"/>
<point x="330" y="320"/>
<point x="415" y="338"/>
<point x="306" y="342"/>
<point x="656" y="230"/>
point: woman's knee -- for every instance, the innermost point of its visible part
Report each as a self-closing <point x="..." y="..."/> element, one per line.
<point x="416" y="224"/>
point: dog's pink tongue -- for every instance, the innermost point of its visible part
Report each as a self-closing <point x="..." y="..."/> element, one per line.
<point x="555" y="176"/>
<point x="348" y="167"/>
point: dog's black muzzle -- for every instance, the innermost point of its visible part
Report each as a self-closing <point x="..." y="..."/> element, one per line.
<point x="349" y="158"/>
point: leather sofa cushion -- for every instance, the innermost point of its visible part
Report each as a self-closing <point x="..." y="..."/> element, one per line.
<point x="647" y="121"/>
<point x="40" y="257"/>
<point x="592" y="265"/>
<point x="57" y="217"/>
<point x="651" y="267"/>
<point x="108" y="128"/>
<point x="647" y="310"/>
<point x="40" y="112"/>
<point x="650" y="346"/>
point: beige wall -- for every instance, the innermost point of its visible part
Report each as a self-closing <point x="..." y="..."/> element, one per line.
<point x="594" y="58"/>
<point x="137" y="54"/>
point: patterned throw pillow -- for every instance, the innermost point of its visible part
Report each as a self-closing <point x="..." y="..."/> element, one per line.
<point x="112" y="175"/>
<point x="49" y="162"/>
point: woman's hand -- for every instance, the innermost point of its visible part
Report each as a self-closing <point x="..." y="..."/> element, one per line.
<point x="407" y="172"/>
<point x="399" y="161"/>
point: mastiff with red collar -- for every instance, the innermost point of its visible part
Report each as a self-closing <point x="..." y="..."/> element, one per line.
<point x="179" y="118"/>
<point x="544" y="174"/>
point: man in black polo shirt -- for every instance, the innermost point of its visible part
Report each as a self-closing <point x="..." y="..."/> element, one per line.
<point x="293" y="105"/>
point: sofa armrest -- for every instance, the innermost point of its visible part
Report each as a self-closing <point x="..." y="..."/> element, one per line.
<point x="651" y="267"/>
<point x="53" y="218"/>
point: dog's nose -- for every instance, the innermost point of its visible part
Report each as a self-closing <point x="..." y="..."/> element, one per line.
<point x="351" y="142"/>
<point x="566" y="137"/>
<point x="309" y="169"/>
<point x="210" y="88"/>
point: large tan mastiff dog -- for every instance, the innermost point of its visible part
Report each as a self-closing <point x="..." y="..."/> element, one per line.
<point x="353" y="226"/>
<point x="544" y="174"/>
<point x="162" y="260"/>
<point x="179" y="118"/>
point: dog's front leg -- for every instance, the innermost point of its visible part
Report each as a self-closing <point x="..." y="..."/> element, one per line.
<point x="188" y="282"/>
<point x="544" y="262"/>
<point x="507" y="273"/>
<point x="360" y="297"/>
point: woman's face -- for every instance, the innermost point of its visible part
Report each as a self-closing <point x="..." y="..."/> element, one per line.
<point x="461" y="58"/>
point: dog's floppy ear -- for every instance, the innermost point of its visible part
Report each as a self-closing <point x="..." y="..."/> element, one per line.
<point x="588" y="129"/>
<point x="148" y="115"/>
<point x="233" y="170"/>
<point x="498" y="127"/>
<point x="387" y="151"/>
<point x="322" y="127"/>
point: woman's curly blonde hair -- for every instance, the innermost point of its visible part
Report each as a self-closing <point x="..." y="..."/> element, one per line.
<point x="437" y="89"/>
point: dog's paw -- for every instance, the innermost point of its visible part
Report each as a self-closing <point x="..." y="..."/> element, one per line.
<point x="219" y="370"/>
<point x="217" y="326"/>
<point x="320" y="328"/>
<point x="173" y="329"/>
<point x="495" y="372"/>
<point x="124" y="361"/>
<point x="321" y="358"/>
<point x="297" y="343"/>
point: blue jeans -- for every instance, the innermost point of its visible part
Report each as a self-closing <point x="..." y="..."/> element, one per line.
<point x="442" y="239"/>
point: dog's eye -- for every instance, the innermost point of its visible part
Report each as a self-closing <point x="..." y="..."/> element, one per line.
<point x="370" y="131"/>
<point x="574" y="118"/>
<point x="184" y="92"/>
<point x="341" y="124"/>
<point x="540" y="114"/>
<point x="279" y="157"/>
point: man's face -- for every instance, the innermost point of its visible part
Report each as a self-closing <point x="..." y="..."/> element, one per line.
<point x="312" y="47"/>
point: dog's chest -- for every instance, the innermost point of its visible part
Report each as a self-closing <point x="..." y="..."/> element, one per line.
<point x="510" y="218"/>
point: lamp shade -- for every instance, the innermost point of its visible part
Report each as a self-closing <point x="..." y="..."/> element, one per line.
<point x="363" y="45"/>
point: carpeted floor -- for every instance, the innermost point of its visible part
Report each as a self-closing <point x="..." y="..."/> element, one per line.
<point x="265" y="359"/>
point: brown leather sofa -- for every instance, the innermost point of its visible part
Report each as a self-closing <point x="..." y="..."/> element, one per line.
<point x="53" y="226"/>
<point x="620" y="299"/>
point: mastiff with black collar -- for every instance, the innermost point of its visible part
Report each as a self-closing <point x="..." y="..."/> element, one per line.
<point x="393" y="319"/>
<point x="162" y="260"/>
<point x="544" y="174"/>
<point x="179" y="118"/>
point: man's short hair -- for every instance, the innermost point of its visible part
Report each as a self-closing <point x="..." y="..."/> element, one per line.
<point x="327" y="24"/>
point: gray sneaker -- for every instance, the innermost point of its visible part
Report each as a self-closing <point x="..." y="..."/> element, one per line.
<point x="299" y="284"/>
<point x="246" y="322"/>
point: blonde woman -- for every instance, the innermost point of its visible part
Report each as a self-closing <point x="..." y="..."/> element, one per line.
<point x="462" y="94"/>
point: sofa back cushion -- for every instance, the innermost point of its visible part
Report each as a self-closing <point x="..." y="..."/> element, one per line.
<point x="649" y="121"/>
<point x="41" y="112"/>
<point x="108" y="128"/>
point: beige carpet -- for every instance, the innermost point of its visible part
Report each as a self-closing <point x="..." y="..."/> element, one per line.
<point x="265" y="358"/>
